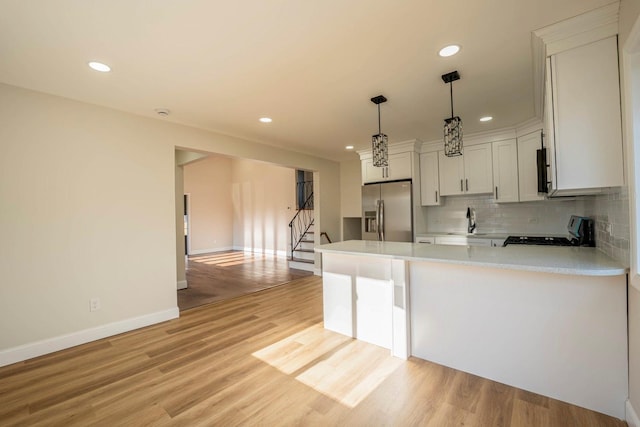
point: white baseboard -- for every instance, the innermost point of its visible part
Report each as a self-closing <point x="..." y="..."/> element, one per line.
<point x="50" y="345"/>
<point x="206" y="251"/>
<point x="631" y="415"/>
<point x="182" y="284"/>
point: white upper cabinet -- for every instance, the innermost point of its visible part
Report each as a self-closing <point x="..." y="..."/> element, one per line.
<point x="451" y="174"/>
<point x="429" y="179"/>
<point x="583" y="118"/>
<point x="478" y="169"/>
<point x="505" y="171"/>
<point x="399" y="168"/>
<point x="528" y="145"/>
<point x="471" y="173"/>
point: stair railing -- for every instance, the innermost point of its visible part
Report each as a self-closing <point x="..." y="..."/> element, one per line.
<point x="303" y="190"/>
<point x="301" y="222"/>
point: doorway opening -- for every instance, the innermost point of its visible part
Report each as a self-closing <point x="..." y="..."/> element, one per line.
<point x="234" y="225"/>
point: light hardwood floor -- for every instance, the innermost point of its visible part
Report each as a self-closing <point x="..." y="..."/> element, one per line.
<point x="220" y="276"/>
<point x="261" y="359"/>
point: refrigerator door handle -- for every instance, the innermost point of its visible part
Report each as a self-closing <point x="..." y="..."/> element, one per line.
<point x="381" y="227"/>
<point x="378" y="218"/>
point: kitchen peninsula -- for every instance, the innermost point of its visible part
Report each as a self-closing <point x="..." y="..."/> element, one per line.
<point x="551" y="320"/>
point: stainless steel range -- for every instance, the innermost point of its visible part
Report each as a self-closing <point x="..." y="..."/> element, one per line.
<point x="580" y="234"/>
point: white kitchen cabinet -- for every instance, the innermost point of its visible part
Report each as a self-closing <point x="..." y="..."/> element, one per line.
<point x="471" y="173"/>
<point x="528" y="166"/>
<point x="478" y="169"/>
<point x="429" y="240"/>
<point x="451" y="174"/>
<point x="505" y="171"/>
<point x="583" y="119"/>
<point x="429" y="179"/>
<point x="399" y="168"/>
<point x="462" y="241"/>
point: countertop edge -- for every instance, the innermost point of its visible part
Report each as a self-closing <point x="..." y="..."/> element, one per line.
<point x="569" y="270"/>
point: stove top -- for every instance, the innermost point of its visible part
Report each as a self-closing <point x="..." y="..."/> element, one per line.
<point x="545" y="241"/>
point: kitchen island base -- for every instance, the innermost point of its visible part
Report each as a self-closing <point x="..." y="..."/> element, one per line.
<point x="366" y="298"/>
<point x="560" y="334"/>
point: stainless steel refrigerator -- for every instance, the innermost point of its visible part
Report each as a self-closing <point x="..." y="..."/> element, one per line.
<point x="386" y="212"/>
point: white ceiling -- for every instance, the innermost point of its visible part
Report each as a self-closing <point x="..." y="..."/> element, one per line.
<point x="310" y="65"/>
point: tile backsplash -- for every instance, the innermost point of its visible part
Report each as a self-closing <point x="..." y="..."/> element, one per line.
<point x="611" y="215"/>
<point x="542" y="217"/>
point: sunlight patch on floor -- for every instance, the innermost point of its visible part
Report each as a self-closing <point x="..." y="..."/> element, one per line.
<point x="217" y="257"/>
<point x="337" y="366"/>
<point x="228" y="259"/>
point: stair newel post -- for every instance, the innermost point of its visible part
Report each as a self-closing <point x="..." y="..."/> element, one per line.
<point x="291" y="243"/>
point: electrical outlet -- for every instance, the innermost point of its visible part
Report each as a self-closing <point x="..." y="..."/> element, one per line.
<point x="94" y="304"/>
<point x="533" y="220"/>
<point x="608" y="229"/>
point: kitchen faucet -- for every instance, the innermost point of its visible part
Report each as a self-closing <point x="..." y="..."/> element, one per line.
<point x="471" y="220"/>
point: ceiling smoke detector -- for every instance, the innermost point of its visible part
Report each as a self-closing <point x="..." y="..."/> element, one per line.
<point x="164" y="112"/>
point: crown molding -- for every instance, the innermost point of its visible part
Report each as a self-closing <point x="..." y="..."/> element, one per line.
<point x="396" y="147"/>
<point x="578" y="31"/>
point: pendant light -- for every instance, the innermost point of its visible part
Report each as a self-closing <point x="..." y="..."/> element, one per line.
<point x="380" y="142"/>
<point x="453" y="125"/>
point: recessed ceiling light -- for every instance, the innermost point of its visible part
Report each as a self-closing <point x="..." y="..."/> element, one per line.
<point x="349" y="147"/>
<point x="486" y="118"/>
<point x="162" y="111"/>
<point x="99" y="66"/>
<point x="449" y="50"/>
<point x="265" y="119"/>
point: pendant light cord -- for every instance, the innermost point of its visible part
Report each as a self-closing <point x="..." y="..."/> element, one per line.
<point x="379" y="127"/>
<point x="451" y="88"/>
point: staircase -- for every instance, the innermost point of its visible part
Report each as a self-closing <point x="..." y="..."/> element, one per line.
<point x="303" y="255"/>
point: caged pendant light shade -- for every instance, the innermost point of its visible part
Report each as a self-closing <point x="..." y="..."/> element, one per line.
<point x="452" y="125"/>
<point x="380" y="142"/>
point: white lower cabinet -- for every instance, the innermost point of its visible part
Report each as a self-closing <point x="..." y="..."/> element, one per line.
<point x="462" y="241"/>
<point x="426" y="239"/>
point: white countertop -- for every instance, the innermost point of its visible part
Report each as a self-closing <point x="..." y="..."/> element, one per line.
<point x="549" y="259"/>
<point x="468" y="235"/>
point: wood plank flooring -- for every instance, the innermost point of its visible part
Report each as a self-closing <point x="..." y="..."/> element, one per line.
<point x="261" y="359"/>
<point x="223" y="275"/>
